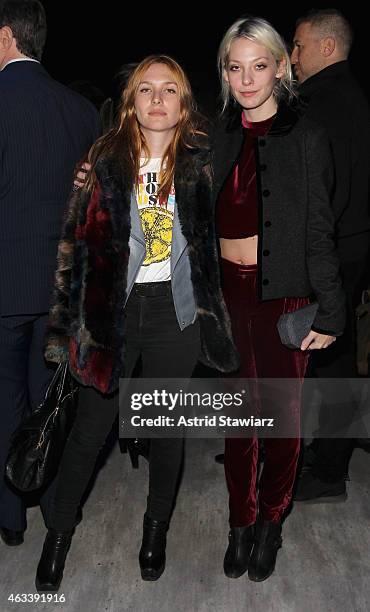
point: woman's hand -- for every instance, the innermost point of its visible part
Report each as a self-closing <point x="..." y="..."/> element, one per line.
<point x="314" y="340"/>
<point x="80" y="177"/>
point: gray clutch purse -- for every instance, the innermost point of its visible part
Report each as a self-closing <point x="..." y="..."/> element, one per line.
<point x="294" y="326"/>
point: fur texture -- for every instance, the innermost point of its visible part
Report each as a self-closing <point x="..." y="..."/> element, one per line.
<point x="87" y="322"/>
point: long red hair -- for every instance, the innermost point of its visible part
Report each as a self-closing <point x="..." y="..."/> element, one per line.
<point x="126" y="142"/>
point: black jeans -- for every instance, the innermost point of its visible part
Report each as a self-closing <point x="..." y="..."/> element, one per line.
<point x="153" y="334"/>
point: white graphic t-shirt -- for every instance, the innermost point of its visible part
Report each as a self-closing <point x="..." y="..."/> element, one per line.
<point x="156" y="221"/>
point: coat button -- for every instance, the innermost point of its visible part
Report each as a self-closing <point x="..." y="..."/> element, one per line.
<point x="265" y="281"/>
<point x="266" y="193"/>
<point x="262" y="142"/>
<point x="267" y="223"/>
<point x="266" y="252"/>
<point x="263" y="167"/>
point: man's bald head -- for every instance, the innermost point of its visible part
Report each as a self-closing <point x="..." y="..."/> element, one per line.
<point x="322" y="38"/>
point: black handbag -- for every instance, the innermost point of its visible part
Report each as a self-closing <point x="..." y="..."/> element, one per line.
<point x="37" y="445"/>
<point x="293" y="327"/>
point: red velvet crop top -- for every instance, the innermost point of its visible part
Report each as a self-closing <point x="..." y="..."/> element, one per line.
<point x="236" y="213"/>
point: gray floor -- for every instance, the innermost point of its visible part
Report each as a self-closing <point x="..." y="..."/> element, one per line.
<point x="324" y="564"/>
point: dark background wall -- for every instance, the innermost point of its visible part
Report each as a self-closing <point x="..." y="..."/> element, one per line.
<point x="91" y="43"/>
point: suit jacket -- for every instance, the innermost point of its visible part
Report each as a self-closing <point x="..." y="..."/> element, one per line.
<point x="45" y="129"/>
<point x="335" y="101"/>
<point x="296" y="253"/>
<point x="87" y="319"/>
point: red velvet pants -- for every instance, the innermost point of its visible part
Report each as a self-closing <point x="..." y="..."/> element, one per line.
<point x="262" y="356"/>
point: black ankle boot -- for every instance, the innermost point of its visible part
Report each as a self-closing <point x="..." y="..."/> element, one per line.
<point x="135" y="447"/>
<point x="152" y="556"/>
<point x="268" y="540"/>
<point x="237" y="556"/>
<point x="51" y="565"/>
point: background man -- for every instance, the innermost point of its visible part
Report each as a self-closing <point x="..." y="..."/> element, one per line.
<point x="45" y="129"/>
<point x="322" y="42"/>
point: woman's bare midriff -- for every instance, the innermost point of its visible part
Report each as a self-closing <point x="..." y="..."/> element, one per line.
<point x="240" y="250"/>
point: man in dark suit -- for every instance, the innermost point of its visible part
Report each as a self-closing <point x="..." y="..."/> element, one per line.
<point x="322" y="42"/>
<point x="45" y="129"/>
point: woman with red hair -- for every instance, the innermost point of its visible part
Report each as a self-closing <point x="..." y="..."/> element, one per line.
<point x="137" y="278"/>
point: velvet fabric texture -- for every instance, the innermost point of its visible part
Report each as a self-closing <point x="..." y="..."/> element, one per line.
<point x="237" y="204"/>
<point x="294" y="174"/>
<point x="262" y="356"/>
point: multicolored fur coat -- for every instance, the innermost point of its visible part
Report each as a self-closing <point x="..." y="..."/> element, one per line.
<point x="87" y="320"/>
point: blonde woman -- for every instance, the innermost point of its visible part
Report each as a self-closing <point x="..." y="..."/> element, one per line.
<point x="273" y="174"/>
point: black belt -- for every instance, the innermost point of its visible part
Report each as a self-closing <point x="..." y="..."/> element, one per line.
<point x="152" y="289"/>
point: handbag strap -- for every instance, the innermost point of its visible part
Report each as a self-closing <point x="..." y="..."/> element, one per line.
<point x="58" y="381"/>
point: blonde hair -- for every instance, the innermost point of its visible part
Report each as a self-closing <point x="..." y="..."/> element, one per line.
<point x="126" y="141"/>
<point x="260" y="31"/>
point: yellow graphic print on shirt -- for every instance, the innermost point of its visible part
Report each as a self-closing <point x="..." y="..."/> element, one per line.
<point x="156" y="219"/>
<point x="157" y="227"/>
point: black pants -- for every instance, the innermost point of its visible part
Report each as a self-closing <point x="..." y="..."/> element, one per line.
<point x="154" y="335"/>
<point x="24" y="376"/>
<point x="339" y="363"/>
